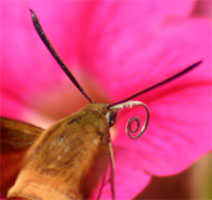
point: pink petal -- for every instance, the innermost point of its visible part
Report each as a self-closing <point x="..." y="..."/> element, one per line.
<point x="28" y="71"/>
<point x="179" y="130"/>
<point x="146" y="53"/>
<point x="35" y="74"/>
<point x="123" y="41"/>
<point x="10" y="106"/>
<point x="180" y="125"/>
<point x="130" y="35"/>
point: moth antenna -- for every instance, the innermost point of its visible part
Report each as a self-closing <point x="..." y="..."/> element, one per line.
<point x="45" y="40"/>
<point x="112" y="170"/>
<point x="158" y="84"/>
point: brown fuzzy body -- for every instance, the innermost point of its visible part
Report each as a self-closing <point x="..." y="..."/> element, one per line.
<point x="68" y="159"/>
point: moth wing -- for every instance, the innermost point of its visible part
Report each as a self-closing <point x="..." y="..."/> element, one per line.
<point x="16" y="138"/>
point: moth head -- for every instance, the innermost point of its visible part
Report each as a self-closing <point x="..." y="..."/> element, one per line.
<point x="103" y="110"/>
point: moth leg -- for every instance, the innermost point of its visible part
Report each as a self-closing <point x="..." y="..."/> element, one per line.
<point x="112" y="170"/>
<point x="102" y="186"/>
<point x="112" y="174"/>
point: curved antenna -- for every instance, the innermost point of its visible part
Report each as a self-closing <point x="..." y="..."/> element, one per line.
<point x="45" y="40"/>
<point x="158" y="84"/>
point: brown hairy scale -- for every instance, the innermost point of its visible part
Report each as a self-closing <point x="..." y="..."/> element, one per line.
<point x="68" y="159"/>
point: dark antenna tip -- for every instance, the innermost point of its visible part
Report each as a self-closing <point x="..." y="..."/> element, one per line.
<point x="158" y="84"/>
<point x="45" y="40"/>
<point x="32" y="12"/>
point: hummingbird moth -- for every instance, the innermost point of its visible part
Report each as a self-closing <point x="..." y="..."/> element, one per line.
<point x="70" y="158"/>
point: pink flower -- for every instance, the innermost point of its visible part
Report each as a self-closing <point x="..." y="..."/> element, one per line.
<point x="116" y="48"/>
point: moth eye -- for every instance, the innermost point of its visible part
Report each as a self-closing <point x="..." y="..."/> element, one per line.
<point x="112" y="118"/>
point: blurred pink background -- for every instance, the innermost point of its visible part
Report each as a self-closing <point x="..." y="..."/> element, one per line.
<point x="115" y="49"/>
